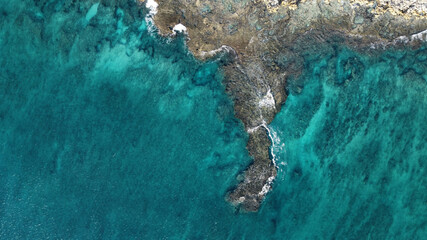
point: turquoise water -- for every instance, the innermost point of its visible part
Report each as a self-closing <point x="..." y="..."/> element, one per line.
<point x="110" y="132"/>
<point x="355" y="144"/>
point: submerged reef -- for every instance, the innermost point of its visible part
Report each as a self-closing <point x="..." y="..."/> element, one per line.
<point x="264" y="42"/>
<point x="110" y="130"/>
<point x="260" y="45"/>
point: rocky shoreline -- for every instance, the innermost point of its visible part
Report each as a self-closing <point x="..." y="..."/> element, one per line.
<point x="261" y="43"/>
<point x="266" y="39"/>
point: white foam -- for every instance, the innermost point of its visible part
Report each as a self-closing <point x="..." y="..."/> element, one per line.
<point x="152" y="5"/>
<point x="179" y="28"/>
<point x="252" y="130"/>
<point x="267" y="186"/>
<point x="274" y="138"/>
<point x="422" y="36"/>
<point x="275" y="144"/>
<point x="400" y="39"/>
<point x="267" y="100"/>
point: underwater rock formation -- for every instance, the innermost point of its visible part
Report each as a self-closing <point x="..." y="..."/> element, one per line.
<point x="265" y="40"/>
<point x="260" y="45"/>
<point x="110" y="131"/>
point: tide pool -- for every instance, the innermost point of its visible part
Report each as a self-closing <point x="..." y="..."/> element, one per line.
<point x="110" y="132"/>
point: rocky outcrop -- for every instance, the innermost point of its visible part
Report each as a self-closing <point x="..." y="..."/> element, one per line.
<point x="265" y="40"/>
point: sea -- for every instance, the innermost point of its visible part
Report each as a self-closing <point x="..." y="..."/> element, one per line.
<point x="111" y="131"/>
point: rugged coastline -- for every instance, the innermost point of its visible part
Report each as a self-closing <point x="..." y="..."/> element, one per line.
<point x="113" y="129"/>
<point x="263" y="44"/>
<point x="266" y="39"/>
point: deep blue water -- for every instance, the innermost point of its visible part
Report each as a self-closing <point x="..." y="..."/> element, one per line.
<point x="130" y="137"/>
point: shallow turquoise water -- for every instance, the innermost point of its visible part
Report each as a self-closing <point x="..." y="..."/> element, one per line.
<point x="107" y="141"/>
<point x="355" y="144"/>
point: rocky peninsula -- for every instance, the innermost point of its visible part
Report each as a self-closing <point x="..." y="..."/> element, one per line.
<point x="264" y="42"/>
